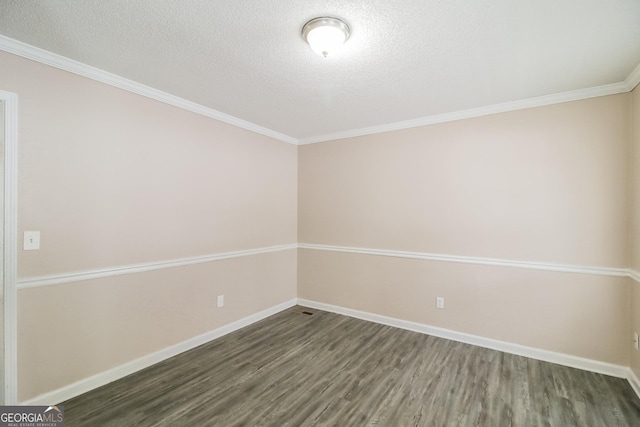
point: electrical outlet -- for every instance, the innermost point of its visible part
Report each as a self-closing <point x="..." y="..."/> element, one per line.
<point x="439" y="302"/>
<point x="635" y="340"/>
<point x="220" y="301"/>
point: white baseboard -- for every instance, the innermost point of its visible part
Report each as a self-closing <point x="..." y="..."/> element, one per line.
<point x="103" y="378"/>
<point x="98" y="380"/>
<point x="634" y="381"/>
<point x="521" y="350"/>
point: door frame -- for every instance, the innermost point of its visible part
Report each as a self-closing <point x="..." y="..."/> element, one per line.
<point x="10" y="259"/>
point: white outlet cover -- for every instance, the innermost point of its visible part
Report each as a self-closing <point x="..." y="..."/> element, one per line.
<point x="31" y="241"/>
<point x="439" y="302"/>
<point x="220" y="300"/>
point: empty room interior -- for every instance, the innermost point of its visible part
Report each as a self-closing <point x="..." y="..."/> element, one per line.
<point x="211" y="219"/>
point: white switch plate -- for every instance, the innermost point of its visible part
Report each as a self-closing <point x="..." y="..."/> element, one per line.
<point x="31" y="240"/>
<point x="439" y="302"/>
<point x="220" y="300"/>
<point x="635" y="340"/>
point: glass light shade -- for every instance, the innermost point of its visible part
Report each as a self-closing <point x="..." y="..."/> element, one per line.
<point x="325" y="34"/>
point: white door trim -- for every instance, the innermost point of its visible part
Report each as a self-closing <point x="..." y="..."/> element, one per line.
<point x="10" y="247"/>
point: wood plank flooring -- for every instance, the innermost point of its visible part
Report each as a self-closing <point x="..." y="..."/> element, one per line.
<point x="325" y="369"/>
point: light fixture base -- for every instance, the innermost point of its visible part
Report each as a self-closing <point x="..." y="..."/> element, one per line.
<point x="326" y="33"/>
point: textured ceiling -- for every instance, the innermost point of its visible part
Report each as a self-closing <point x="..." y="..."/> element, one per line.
<point x="405" y="60"/>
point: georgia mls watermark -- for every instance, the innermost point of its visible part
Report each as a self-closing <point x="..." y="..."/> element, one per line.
<point x="31" y="416"/>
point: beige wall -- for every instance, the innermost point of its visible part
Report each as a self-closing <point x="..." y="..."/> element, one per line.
<point x="635" y="221"/>
<point x="635" y="179"/>
<point x="635" y="325"/>
<point x="578" y="314"/>
<point x="96" y="325"/>
<point x="113" y="179"/>
<point x="545" y="184"/>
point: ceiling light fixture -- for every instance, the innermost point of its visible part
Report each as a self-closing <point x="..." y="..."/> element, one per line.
<point x="325" y="34"/>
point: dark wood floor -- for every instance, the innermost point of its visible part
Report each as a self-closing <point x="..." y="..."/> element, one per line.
<point x="325" y="369"/>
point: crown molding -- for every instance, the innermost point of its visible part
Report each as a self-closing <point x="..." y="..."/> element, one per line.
<point x="633" y="79"/>
<point x="58" y="61"/>
<point x="557" y="98"/>
<point x="563" y="268"/>
<point x="49" y="58"/>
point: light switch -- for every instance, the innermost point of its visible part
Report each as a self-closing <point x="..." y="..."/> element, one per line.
<point x="31" y="240"/>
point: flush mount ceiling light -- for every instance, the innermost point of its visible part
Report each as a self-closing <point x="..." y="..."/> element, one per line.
<point x="325" y="34"/>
